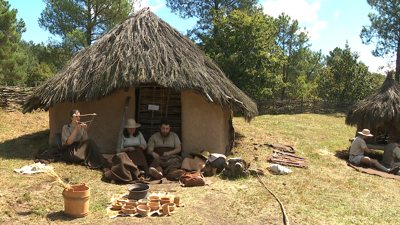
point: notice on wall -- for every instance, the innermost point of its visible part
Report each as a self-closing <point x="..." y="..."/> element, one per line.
<point x="153" y="107"/>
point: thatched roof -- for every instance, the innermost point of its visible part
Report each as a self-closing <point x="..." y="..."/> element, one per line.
<point x="141" y="50"/>
<point x="377" y="109"/>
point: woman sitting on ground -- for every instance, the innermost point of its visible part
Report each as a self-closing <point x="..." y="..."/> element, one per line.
<point x="77" y="147"/>
<point x="134" y="144"/>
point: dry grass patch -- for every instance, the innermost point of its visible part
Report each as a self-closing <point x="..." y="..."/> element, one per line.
<point x="328" y="192"/>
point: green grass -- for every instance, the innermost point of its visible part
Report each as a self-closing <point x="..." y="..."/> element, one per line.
<point x="328" y="192"/>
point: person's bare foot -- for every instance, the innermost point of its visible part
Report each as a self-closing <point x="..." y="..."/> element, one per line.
<point x="106" y="169"/>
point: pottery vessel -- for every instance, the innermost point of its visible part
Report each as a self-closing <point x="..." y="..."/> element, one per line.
<point x="143" y="209"/>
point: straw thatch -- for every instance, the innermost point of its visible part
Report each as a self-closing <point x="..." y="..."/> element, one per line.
<point x="378" y="109"/>
<point x="141" y="50"/>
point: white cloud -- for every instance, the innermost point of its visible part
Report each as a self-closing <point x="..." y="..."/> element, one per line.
<point x="140" y="4"/>
<point x="296" y="9"/>
<point x="336" y="15"/>
<point x="300" y="10"/>
<point x="373" y="62"/>
<point x="313" y="31"/>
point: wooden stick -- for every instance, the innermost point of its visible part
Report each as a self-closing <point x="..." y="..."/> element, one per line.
<point x="92" y="114"/>
<point x="122" y="125"/>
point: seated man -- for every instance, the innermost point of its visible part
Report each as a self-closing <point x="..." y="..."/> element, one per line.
<point x="165" y="146"/>
<point x="357" y="153"/>
<point x="395" y="160"/>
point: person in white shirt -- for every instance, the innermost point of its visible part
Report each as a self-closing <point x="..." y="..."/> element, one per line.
<point x="357" y="153"/>
<point x="134" y="144"/>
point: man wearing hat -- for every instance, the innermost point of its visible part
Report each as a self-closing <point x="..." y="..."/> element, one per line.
<point x="357" y="153"/>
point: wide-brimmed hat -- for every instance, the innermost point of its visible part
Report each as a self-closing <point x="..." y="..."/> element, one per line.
<point x="203" y="154"/>
<point x="366" y="132"/>
<point x="131" y="123"/>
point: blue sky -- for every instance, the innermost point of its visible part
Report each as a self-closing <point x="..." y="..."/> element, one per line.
<point x="330" y="23"/>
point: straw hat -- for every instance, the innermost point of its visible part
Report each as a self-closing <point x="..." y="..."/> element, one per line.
<point x="203" y="154"/>
<point x="131" y="123"/>
<point x="366" y="132"/>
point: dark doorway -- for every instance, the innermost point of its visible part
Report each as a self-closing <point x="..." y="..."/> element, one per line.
<point x="153" y="104"/>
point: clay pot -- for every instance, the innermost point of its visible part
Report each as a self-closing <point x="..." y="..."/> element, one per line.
<point x="177" y="200"/>
<point x="171" y="206"/>
<point x="154" y="198"/>
<point x="138" y="191"/>
<point x="117" y="205"/>
<point x="143" y="201"/>
<point x="129" y="209"/>
<point x="165" y="200"/>
<point x="143" y="209"/>
<point x="154" y="206"/>
<point x="132" y="202"/>
<point x="122" y="200"/>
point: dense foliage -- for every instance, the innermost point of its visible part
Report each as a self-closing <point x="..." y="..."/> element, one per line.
<point x="80" y="22"/>
<point x="10" y="34"/>
<point x="266" y="57"/>
<point x="384" y="30"/>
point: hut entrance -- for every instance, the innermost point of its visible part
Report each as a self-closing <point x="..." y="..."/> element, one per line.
<point x="155" y="103"/>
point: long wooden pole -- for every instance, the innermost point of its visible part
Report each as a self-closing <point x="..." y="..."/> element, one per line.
<point x="122" y="125"/>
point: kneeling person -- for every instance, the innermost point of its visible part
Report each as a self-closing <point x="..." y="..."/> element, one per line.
<point x="164" y="147"/>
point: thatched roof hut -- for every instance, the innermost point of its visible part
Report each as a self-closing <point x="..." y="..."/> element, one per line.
<point x="379" y="112"/>
<point x="145" y="58"/>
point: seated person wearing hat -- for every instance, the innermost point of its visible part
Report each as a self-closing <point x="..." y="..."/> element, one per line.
<point x="134" y="144"/>
<point x="165" y="146"/>
<point x="127" y="162"/>
<point x="357" y="153"/>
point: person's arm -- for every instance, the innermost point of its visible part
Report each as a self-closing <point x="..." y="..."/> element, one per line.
<point x="150" y="148"/>
<point x="369" y="150"/>
<point x="71" y="138"/>
<point x="174" y="151"/>
<point x="85" y="133"/>
<point x="128" y="149"/>
<point x="143" y="144"/>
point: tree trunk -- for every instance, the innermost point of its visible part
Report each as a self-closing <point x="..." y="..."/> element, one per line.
<point x="397" y="75"/>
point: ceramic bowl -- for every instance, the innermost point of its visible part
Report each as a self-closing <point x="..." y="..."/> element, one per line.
<point x="154" y="198"/>
<point x="154" y="206"/>
<point x="171" y="206"/>
<point x="132" y="202"/>
<point x="143" y="201"/>
<point x="122" y="200"/>
<point x="117" y="205"/>
<point x="165" y="200"/>
<point x="129" y="209"/>
<point x="138" y="191"/>
<point x="143" y="209"/>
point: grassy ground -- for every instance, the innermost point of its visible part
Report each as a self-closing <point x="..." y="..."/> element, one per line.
<point x="328" y="192"/>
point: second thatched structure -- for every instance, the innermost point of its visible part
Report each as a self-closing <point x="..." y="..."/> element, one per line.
<point x="379" y="112"/>
<point x="163" y="72"/>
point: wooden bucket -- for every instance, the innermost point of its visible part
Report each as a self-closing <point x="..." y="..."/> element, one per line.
<point x="76" y="200"/>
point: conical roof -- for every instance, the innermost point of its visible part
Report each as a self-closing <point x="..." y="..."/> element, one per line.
<point x="141" y="50"/>
<point x="376" y="109"/>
